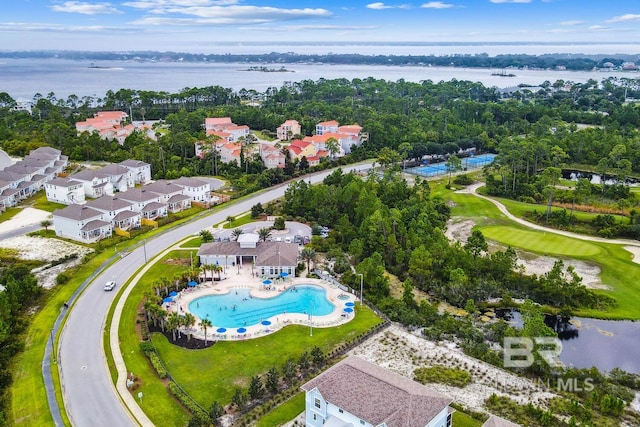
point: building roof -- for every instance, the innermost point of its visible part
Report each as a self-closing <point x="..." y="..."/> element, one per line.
<point x="494" y="421"/>
<point x="266" y="252"/>
<point x="63" y="182"/>
<point x="131" y="163"/>
<point x="77" y="212"/>
<point x="138" y="195"/>
<point x="88" y="175"/>
<point x="109" y="203"/>
<point x="377" y="395"/>
<point x="328" y="123"/>
<point x="163" y="187"/>
<point x="45" y="150"/>
<point x="177" y="198"/>
<point x="154" y="206"/>
<point x="112" y="169"/>
<point x="185" y="181"/>
<point x="94" y="225"/>
<point x="126" y="215"/>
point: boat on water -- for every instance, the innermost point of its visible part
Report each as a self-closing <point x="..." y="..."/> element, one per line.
<point x="92" y="65"/>
<point x="503" y="73"/>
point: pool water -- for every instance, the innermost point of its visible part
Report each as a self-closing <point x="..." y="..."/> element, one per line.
<point x="237" y="308"/>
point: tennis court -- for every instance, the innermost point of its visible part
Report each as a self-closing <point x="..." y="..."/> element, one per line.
<point x="436" y="169"/>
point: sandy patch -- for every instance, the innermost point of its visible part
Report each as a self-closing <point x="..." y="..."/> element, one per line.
<point x="459" y="231"/>
<point x="402" y="352"/>
<point x="635" y="252"/>
<point x="47" y="250"/>
<point x="28" y="216"/>
<point x="539" y="265"/>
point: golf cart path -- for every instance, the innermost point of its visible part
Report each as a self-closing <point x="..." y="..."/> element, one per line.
<point x="630" y="245"/>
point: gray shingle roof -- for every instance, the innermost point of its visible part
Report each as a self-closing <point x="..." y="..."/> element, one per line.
<point x="377" y="395"/>
<point x="163" y="187"/>
<point x="495" y="421"/>
<point x="126" y="215"/>
<point x="112" y="169"/>
<point x="153" y="206"/>
<point x="131" y="163"/>
<point x="94" y="225"/>
<point x="138" y="195"/>
<point x="77" y="212"/>
<point x="63" y="182"/>
<point x="266" y="252"/>
<point x="189" y="182"/>
<point x="109" y="203"/>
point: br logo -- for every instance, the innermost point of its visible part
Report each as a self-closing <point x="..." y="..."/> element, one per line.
<point x="519" y="351"/>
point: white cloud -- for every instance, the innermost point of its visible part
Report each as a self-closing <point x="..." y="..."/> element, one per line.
<point x="571" y="23"/>
<point x="378" y="6"/>
<point x="510" y="1"/>
<point x="599" y="28"/>
<point x="437" y="5"/>
<point x="624" y="18"/>
<point x="86" y="8"/>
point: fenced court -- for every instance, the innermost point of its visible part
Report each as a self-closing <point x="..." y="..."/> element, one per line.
<point x="436" y="169"/>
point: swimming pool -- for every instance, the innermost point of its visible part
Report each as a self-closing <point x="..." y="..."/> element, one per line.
<point x="238" y="308"/>
<point x="441" y="168"/>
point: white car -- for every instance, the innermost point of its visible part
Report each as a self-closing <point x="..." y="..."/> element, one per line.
<point x="109" y="286"/>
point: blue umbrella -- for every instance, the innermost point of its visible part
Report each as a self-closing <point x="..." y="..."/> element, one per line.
<point x="284" y="274"/>
<point x="242" y="330"/>
<point x="173" y="294"/>
<point x="266" y="322"/>
<point x="267" y="282"/>
<point x="348" y="310"/>
<point x="349" y="304"/>
<point x="221" y="330"/>
<point x="192" y="284"/>
<point x="167" y="299"/>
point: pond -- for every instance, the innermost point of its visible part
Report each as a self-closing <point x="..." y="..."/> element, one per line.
<point x="605" y="344"/>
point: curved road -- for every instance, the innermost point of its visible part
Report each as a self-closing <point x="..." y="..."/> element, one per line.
<point x="88" y="391"/>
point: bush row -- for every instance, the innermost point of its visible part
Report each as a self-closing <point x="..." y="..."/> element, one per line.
<point x="150" y="351"/>
<point x="187" y="401"/>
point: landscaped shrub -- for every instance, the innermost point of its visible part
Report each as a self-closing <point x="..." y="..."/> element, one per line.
<point x="443" y="375"/>
<point x="187" y="401"/>
<point x="463" y="179"/>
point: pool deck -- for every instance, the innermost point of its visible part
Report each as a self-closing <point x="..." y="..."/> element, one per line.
<point x="242" y="278"/>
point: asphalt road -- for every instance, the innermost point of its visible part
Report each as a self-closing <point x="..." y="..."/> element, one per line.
<point x="89" y="394"/>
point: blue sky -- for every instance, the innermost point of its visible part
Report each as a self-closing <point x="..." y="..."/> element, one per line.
<point x="193" y="25"/>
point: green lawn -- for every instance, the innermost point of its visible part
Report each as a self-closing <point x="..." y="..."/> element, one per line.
<point x="283" y="413"/>
<point x="229" y="364"/>
<point x="460" y="419"/>
<point x="193" y="243"/>
<point x="540" y="242"/>
<point x="39" y="201"/>
<point x="9" y="213"/>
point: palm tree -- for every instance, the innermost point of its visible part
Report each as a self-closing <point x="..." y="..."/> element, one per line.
<point x="308" y="255"/>
<point x="206" y="236"/>
<point x="188" y="320"/>
<point x="205" y="323"/>
<point x="264" y="234"/>
<point x="173" y="322"/>
<point x="236" y="233"/>
<point x="216" y="268"/>
<point x="203" y="269"/>
<point x="46" y="223"/>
